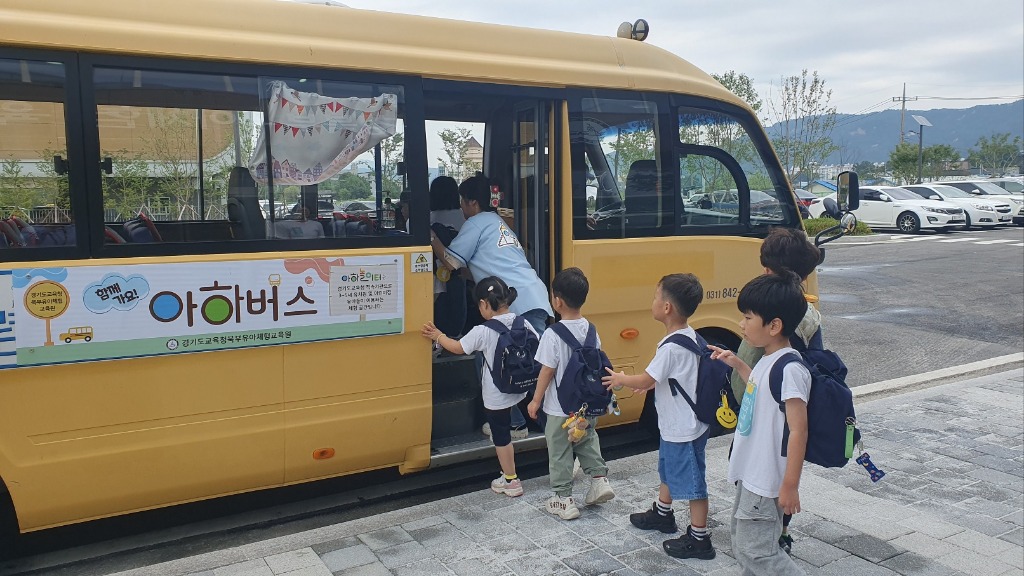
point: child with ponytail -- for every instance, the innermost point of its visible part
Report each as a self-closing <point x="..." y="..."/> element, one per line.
<point x="493" y="299"/>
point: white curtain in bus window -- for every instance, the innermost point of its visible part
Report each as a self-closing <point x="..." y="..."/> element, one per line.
<point x="313" y="137"/>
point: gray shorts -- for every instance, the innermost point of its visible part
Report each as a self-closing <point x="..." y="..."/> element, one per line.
<point x="756" y="527"/>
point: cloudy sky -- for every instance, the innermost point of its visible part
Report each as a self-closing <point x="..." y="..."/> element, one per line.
<point x="956" y="53"/>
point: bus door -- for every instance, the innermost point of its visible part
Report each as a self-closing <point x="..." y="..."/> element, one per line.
<point x="531" y="182"/>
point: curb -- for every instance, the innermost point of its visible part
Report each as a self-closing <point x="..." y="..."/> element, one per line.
<point x="886" y="388"/>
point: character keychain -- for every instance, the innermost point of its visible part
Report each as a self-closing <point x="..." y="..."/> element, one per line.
<point x="865" y="460"/>
<point x="577" y="424"/>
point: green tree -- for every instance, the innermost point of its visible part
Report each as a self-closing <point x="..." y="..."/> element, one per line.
<point x="997" y="154"/>
<point x="804" y="119"/>
<point x="456" y="146"/>
<point x="635" y="141"/>
<point x="903" y="163"/>
<point x="352" y="186"/>
<point x="742" y="86"/>
<point x="937" y="159"/>
<point x="16" y="189"/>
<point x="392" y="151"/>
<point x="126" y="189"/>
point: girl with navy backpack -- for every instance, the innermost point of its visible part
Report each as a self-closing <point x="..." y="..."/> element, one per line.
<point x="493" y="299"/>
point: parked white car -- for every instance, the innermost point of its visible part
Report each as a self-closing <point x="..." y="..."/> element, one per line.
<point x="989" y="191"/>
<point x="979" y="210"/>
<point x="891" y="207"/>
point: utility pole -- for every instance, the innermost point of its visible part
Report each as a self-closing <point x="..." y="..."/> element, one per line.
<point x="903" y="109"/>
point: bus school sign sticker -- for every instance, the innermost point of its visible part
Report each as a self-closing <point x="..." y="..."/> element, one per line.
<point x="104" y="312"/>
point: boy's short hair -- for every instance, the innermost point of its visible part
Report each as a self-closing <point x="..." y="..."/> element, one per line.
<point x="789" y="249"/>
<point x="773" y="296"/>
<point x="683" y="291"/>
<point x="572" y="286"/>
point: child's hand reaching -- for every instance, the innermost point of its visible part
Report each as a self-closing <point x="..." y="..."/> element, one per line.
<point x="613" y="379"/>
<point x="430" y="331"/>
<point x="731" y="359"/>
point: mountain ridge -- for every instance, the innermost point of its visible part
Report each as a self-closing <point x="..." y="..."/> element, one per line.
<point x="871" y="137"/>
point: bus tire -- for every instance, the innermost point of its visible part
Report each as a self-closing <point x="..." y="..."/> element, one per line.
<point x="8" y="524"/>
<point x="721" y="337"/>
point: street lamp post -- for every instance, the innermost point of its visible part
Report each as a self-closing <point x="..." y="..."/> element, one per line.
<point x="922" y="122"/>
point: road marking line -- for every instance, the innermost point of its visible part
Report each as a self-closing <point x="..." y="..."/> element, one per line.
<point x="994" y="241"/>
<point x="914" y="239"/>
<point x="960" y="239"/>
<point x="1018" y="244"/>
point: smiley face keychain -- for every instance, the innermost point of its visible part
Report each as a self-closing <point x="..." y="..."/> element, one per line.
<point x="725" y="415"/>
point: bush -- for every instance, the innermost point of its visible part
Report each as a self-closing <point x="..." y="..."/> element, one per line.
<point x="815" y="225"/>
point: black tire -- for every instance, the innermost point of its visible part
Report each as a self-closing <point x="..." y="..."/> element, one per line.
<point x="67" y="340"/>
<point x="967" y="221"/>
<point x="908" y="223"/>
<point x="88" y="338"/>
<point x="8" y="525"/>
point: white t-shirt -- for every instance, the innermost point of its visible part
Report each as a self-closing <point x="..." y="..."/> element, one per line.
<point x="554" y="353"/>
<point x="483" y="339"/>
<point x="676" y="419"/>
<point x="757" y="454"/>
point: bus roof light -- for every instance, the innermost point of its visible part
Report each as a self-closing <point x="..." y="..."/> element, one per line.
<point x="636" y="31"/>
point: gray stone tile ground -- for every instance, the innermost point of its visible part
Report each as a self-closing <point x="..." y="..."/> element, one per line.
<point x="952" y="503"/>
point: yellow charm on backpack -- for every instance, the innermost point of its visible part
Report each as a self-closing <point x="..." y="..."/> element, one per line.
<point x="726" y="417"/>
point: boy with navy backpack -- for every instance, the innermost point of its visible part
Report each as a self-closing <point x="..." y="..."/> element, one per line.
<point x="673" y="375"/>
<point x="508" y="344"/>
<point x="569" y="384"/>
<point x="786" y="249"/>
<point x="769" y="444"/>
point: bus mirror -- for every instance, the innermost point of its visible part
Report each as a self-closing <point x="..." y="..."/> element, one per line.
<point x="848" y="191"/>
<point x="848" y="222"/>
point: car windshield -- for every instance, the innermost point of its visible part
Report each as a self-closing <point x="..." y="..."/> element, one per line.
<point x="987" y="188"/>
<point x="1012" y="186"/>
<point x="951" y="192"/>
<point x="900" y="194"/>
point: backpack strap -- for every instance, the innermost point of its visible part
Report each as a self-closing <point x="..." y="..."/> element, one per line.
<point x="562" y="331"/>
<point x="686" y="343"/>
<point x="775" y="377"/>
<point x="497" y="325"/>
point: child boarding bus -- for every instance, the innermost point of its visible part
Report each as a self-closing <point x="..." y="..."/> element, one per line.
<point x="165" y="173"/>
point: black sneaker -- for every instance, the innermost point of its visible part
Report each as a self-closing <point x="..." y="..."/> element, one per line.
<point x="786" y="543"/>
<point x="651" y="520"/>
<point x="686" y="546"/>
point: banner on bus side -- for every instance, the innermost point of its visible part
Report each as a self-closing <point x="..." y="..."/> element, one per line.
<point x="86" y="313"/>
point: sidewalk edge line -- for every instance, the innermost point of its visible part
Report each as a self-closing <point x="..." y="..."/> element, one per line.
<point x="869" y="390"/>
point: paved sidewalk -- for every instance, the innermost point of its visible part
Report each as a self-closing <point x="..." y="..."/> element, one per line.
<point x="952" y="502"/>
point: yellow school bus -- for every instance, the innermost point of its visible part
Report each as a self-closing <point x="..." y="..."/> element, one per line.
<point x="243" y="338"/>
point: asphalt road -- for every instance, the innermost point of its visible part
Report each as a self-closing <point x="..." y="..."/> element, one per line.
<point x="916" y="303"/>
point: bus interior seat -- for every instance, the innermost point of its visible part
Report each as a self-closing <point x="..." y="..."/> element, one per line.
<point x="244" y="205"/>
<point x="141" y="230"/>
<point x="641" y="194"/>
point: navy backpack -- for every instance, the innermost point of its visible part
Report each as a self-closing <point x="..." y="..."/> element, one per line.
<point x="712" y="384"/>
<point x="581" y="382"/>
<point x="513" y="367"/>
<point x="829" y="405"/>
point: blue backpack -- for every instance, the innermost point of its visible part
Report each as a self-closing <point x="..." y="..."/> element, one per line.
<point x="829" y="406"/>
<point x="712" y="384"/>
<point x="581" y="381"/>
<point x="513" y="367"/>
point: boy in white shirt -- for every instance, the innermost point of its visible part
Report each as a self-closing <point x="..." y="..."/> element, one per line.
<point x="681" y="464"/>
<point x="569" y="288"/>
<point x="767" y="483"/>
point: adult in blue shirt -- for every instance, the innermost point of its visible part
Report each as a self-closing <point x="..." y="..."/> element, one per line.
<point x="488" y="247"/>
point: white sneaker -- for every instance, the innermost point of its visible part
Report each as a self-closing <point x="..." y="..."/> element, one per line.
<point x="517" y="433"/>
<point x="564" y="508"/>
<point x="503" y="486"/>
<point x="600" y="491"/>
